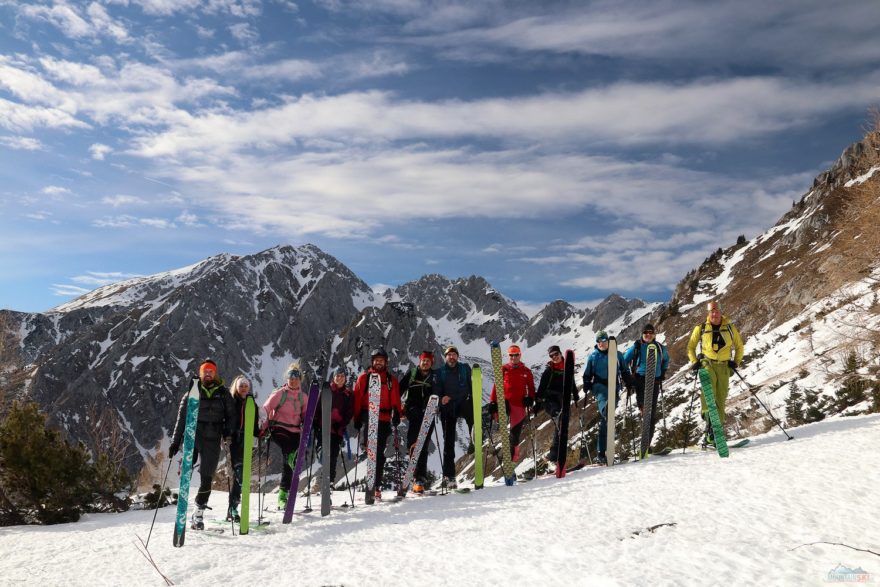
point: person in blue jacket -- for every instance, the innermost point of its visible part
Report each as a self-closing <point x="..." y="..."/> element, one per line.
<point x="596" y="382"/>
<point x="636" y="358"/>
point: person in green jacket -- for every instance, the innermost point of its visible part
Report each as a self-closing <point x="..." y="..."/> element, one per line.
<point x="721" y="351"/>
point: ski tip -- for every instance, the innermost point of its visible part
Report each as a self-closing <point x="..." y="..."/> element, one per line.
<point x="476" y="366"/>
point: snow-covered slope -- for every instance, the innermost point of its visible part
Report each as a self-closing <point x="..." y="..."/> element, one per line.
<point x="768" y="515"/>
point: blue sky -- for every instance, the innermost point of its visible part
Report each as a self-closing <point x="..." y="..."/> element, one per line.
<point x="560" y="149"/>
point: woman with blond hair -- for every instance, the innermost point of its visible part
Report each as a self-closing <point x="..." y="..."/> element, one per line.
<point x="240" y="390"/>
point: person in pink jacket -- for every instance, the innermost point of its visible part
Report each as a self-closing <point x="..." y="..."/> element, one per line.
<point x="285" y="411"/>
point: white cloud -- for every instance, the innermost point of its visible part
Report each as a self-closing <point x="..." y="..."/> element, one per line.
<point x="187" y="219"/>
<point x="39" y="215"/>
<point x="54" y="190"/>
<point x="99" y="278"/>
<point x="68" y="290"/>
<point x="122" y="200"/>
<point x="245" y="33"/>
<point x="705" y="112"/>
<point x="21" y="143"/>
<point x="99" y="151"/>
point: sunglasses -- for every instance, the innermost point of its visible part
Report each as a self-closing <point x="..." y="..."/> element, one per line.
<point x="294" y="374"/>
<point x="648" y="332"/>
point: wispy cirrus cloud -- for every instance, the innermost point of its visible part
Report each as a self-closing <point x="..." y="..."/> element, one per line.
<point x="21" y="143"/>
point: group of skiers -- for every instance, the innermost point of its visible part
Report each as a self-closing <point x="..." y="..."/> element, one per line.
<point x="222" y="416"/>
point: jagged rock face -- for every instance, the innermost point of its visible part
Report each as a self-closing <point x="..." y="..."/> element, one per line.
<point x="553" y="319"/>
<point x="135" y="349"/>
<point x="826" y="240"/>
<point x="128" y="349"/>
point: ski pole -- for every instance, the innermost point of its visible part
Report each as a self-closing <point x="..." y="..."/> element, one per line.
<point x="441" y="451"/>
<point x="687" y="426"/>
<point x="159" y="501"/>
<point x="345" y="470"/>
<point x="663" y="411"/>
<point x="357" y="460"/>
<point x="534" y="444"/>
<point x="769" y="413"/>
<point x="310" y="455"/>
<point x="630" y="417"/>
<point x="230" y="471"/>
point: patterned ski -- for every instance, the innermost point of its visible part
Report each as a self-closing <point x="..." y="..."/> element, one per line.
<point x="648" y="417"/>
<point x="326" y="473"/>
<point x="712" y="410"/>
<point x="314" y="397"/>
<point x="189" y="443"/>
<point x="415" y="453"/>
<point x="564" y="416"/>
<point x="375" y="389"/>
<point x="503" y="423"/>
<point x="477" y="391"/>
<point x="250" y="409"/>
<point x="612" y="400"/>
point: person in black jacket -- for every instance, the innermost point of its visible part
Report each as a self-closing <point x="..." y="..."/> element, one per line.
<point x="549" y="393"/>
<point x="240" y="390"/>
<point x="216" y="421"/>
<point x="416" y="387"/>
<point x="454" y="384"/>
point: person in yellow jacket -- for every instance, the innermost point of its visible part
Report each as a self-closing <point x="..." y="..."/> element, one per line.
<point x="721" y="351"/>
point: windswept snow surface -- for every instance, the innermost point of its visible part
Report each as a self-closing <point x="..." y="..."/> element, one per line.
<point x="736" y="521"/>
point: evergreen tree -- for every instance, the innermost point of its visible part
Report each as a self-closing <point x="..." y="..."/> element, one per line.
<point x="46" y="480"/>
<point x="794" y="407"/>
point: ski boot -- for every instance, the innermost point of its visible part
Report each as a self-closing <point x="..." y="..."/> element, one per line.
<point x="450" y="483"/>
<point x="232" y="515"/>
<point x="282" y="499"/>
<point x="198" y="519"/>
<point x="601" y="459"/>
<point x="418" y="488"/>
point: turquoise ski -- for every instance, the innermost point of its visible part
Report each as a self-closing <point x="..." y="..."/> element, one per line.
<point x="250" y="409"/>
<point x="189" y="444"/>
<point x="712" y="410"/>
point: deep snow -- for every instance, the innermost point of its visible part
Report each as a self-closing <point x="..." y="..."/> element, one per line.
<point x="737" y="521"/>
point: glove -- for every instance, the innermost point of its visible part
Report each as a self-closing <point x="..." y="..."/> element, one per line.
<point x="528" y="401"/>
<point x="493" y="408"/>
<point x="732" y="364"/>
<point x="695" y="366"/>
<point x="700" y="357"/>
<point x="588" y="387"/>
<point x="173" y="449"/>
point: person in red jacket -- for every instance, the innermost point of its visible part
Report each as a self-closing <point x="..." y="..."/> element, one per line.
<point x="519" y="395"/>
<point x="389" y="409"/>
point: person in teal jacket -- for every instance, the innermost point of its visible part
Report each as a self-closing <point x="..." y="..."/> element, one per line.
<point x="636" y="360"/>
<point x="596" y="382"/>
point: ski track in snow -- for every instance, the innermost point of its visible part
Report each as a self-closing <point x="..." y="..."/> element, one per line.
<point x="736" y="523"/>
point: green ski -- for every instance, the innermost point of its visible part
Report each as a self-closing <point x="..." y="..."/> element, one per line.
<point x="250" y="410"/>
<point x="477" y="391"/>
